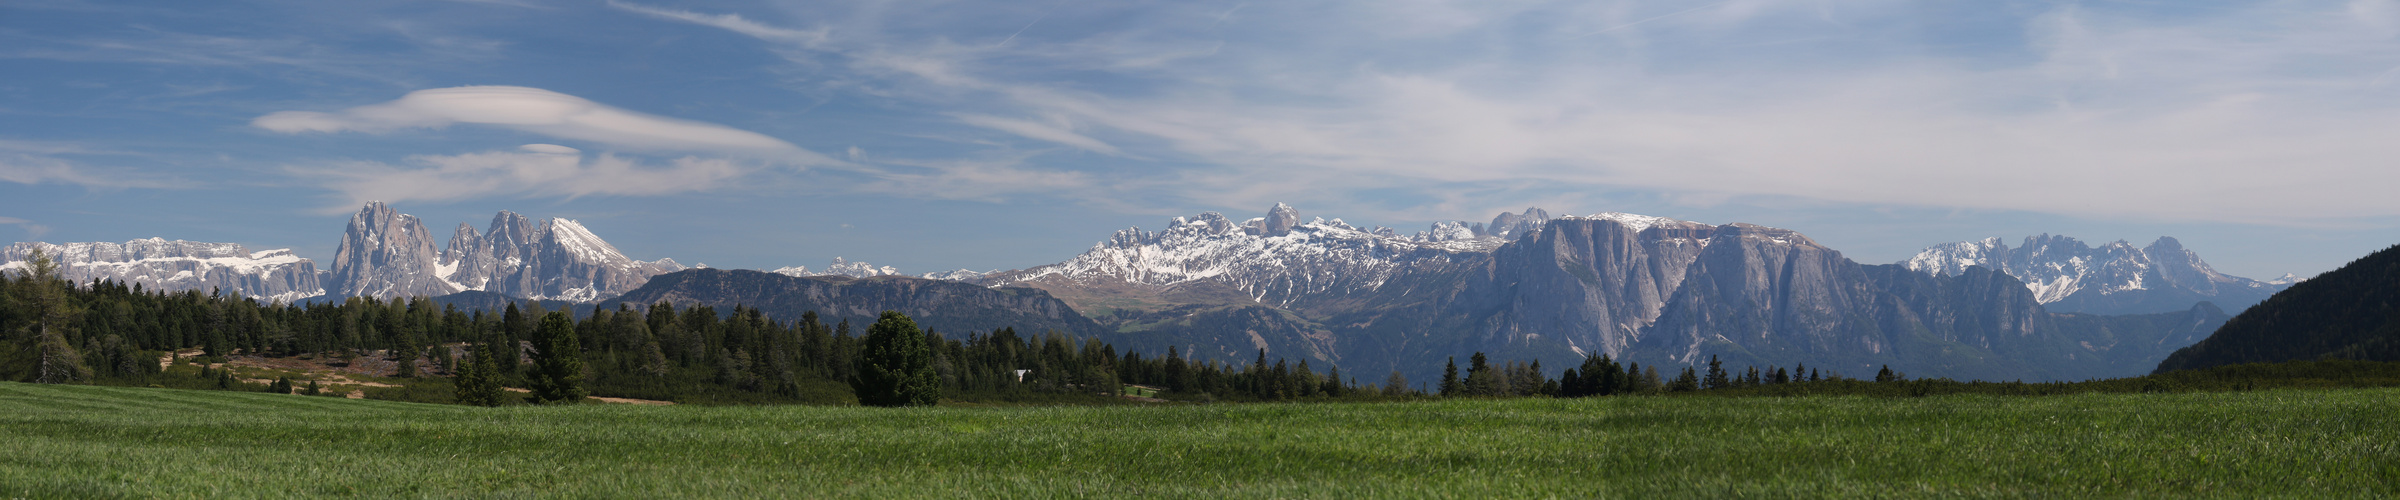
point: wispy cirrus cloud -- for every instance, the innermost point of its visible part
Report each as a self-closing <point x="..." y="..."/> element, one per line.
<point x="1051" y="132"/>
<point x="36" y="162"/>
<point x="2237" y="112"/>
<point x="729" y="22"/>
<point x="533" y="170"/>
<point x="31" y="229"/>
<point x="542" y="112"/>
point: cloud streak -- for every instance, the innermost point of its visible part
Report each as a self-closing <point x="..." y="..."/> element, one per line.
<point x="533" y="170"/>
<point x="541" y="112"/>
<point x="38" y="169"/>
<point x="2252" y="113"/>
<point x="31" y="229"/>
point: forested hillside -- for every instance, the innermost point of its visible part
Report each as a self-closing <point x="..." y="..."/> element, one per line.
<point x="2349" y="313"/>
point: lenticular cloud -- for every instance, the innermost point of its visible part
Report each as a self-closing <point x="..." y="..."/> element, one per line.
<point x="542" y="112"/>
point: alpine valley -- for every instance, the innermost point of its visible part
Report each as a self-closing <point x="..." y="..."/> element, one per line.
<point x="1524" y="286"/>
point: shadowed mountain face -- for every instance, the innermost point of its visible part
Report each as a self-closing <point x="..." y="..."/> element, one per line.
<point x="2349" y="313"/>
<point x="949" y="307"/>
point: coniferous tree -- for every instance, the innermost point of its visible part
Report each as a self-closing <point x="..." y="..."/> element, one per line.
<point x="1686" y="382"/>
<point x="1480" y="379"/>
<point x="513" y="328"/>
<point x="1716" y="375"/>
<point x="41" y="350"/>
<point x="558" y="366"/>
<point x="1395" y="385"/>
<point x="479" y="381"/>
<point x="406" y="355"/>
<point x="1450" y="386"/>
<point x="894" y="366"/>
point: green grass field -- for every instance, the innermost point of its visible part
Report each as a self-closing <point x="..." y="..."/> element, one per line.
<point x="88" y="442"/>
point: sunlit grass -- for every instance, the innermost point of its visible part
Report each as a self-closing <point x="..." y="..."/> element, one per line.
<point x="72" y="441"/>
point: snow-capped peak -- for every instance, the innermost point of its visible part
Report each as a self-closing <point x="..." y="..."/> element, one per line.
<point x="2056" y="268"/>
<point x="841" y="267"/>
<point x="1275" y="257"/>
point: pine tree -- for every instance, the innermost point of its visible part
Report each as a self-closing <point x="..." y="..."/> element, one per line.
<point x="479" y="382"/>
<point x="1716" y="375"/>
<point x="406" y="356"/>
<point x="1480" y="379"/>
<point x="42" y="352"/>
<point x="558" y="366"/>
<point x="894" y="366"/>
<point x="1395" y="385"/>
<point x="513" y="328"/>
<point x="1450" y="386"/>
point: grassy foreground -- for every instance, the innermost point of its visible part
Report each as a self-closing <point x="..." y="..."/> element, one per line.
<point x="81" y="441"/>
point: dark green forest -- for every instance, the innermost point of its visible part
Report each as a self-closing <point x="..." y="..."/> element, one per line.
<point x="2348" y="313"/>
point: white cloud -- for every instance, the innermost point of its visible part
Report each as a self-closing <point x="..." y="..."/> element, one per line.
<point x="2266" y="113"/>
<point x="729" y="22"/>
<point x="31" y="229"/>
<point x="533" y="170"/>
<point x="991" y="180"/>
<point x="39" y="169"/>
<point x="542" y="112"/>
<point x="1039" y="131"/>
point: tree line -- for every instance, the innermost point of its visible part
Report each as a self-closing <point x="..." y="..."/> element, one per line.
<point x="108" y="332"/>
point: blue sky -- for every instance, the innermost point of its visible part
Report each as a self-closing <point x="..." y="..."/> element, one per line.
<point x="941" y="135"/>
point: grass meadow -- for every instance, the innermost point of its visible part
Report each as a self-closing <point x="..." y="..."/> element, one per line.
<point x="100" y="442"/>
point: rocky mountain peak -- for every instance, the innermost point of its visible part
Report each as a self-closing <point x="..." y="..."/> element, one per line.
<point x="384" y="254"/>
<point x="2114" y="278"/>
<point x="1280" y="220"/>
<point x="158" y="264"/>
<point x="387" y="254"/>
<point x="1510" y="226"/>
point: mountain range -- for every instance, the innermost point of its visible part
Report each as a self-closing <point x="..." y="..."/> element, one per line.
<point x="2067" y="275"/>
<point x="159" y="264"/>
<point x="1525" y="285"/>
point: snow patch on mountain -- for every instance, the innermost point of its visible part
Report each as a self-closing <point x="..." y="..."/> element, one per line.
<point x="1274" y="258"/>
<point x="841" y="267"/>
<point x="177" y="265"/>
<point x="2057" y="267"/>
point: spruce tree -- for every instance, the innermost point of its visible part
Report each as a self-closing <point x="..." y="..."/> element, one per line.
<point x="1716" y="375"/>
<point x="478" y="381"/>
<point x="406" y="356"/>
<point x="1480" y="379"/>
<point x="894" y="366"/>
<point x="513" y="328"/>
<point x="42" y="352"/>
<point x="558" y="367"/>
<point x="1450" y="386"/>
